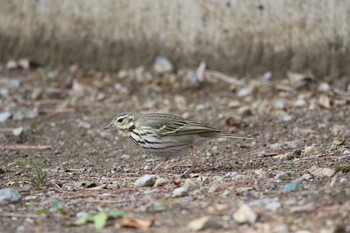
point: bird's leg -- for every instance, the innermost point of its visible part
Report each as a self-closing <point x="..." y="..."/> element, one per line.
<point x="193" y="155"/>
<point x="158" y="166"/>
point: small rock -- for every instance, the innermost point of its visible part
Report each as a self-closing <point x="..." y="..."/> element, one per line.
<point x="245" y="91"/>
<point x="161" y="182"/>
<point x="306" y="176"/>
<point x="340" y="102"/>
<point x="180" y="192"/>
<point x="125" y="157"/>
<point x="287" y="118"/>
<point x="205" y="222"/>
<point x="218" y="179"/>
<point x="324" y="87"/>
<point x="226" y="193"/>
<point x="280" y="104"/>
<point x="283" y="176"/>
<point x="310" y="151"/>
<point x="152" y="191"/>
<point x="162" y="65"/>
<point x="322" y="172"/>
<point x="4" y="116"/>
<point x="287" y="145"/>
<point x="260" y="173"/>
<point x="4" y="93"/>
<point x="324" y="101"/>
<point x="145" y="181"/>
<point x="122" y="74"/>
<point x="245" y="214"/>
<point x="190" y="185"/>
<point x="293" y="186"/>
<point x="11" y="65"/>
<point x="300" y="103"/>
<point x="9" y="195"/>
<point x="215" y="187"/>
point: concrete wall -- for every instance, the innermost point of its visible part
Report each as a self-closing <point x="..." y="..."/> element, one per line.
<point x="232" y="36"/>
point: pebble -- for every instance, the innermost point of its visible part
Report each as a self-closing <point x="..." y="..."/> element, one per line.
<point x="180" y="192"/>
<point x="218" y="179"/>
<point x="226" y="193"/>
<point x="283" y="176"/>
<point x="280" y="104"/>
<point x="322" y="172"/>
<point x="4" y="93"/>
<point x="310" y="150"/>
<point x="324" y="87"/>
<point x="146" y="181"/>
<point x="4" y="116"/>
<point x="215" y="187"/>
<point x="9" y="195"/>
<point x="245" y="214"/>
<point x="293" y="186"/>
<point x="287" y="118"/>
<point x="300" y="103"/>
<point x="260" y="173"/>
<point x="162" y="65"/>
<point x="202" y="223"/>
<point x="190" y="185"/>
<point x="287" y="145"/>
<point x="245" y="91"/>
<point x="161" y="182"/>
<point x="152" y="191"/>
<point x="125" y="157"/>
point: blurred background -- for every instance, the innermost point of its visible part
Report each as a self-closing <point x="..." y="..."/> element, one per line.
<point x="231" y="36"/>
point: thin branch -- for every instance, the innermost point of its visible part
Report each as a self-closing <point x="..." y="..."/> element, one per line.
<point x="25" y="148"/>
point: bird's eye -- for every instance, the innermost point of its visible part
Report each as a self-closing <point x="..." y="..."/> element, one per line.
<point x="120" y="120"/>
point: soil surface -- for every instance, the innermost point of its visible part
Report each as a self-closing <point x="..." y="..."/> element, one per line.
<point x="292" y="177"/>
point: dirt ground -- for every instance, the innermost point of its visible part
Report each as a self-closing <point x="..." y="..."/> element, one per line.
<point x="294" y="175"/>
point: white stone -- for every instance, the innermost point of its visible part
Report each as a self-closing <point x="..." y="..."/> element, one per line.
<point x="245" y="214"/>
<point x="145" y="181"/>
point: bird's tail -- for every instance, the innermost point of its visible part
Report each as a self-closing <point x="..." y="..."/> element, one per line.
<point x="228" y="135"/>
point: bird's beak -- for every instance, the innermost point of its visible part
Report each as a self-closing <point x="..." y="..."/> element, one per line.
<point x="108" y="126"/>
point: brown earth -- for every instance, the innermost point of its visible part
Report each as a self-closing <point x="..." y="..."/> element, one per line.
<point x="88" y="170"/>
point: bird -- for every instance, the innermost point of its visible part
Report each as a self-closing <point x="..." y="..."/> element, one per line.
<point x="165" y="135"/>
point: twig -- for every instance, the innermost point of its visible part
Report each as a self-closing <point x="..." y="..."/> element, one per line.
<point x="25" y="148"/>
<point x="105" y="201"/>
<point x="18" y="215"/>
<point x="224" y="77"/>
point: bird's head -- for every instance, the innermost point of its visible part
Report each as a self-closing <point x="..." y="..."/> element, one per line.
<point x="124" y="122"/>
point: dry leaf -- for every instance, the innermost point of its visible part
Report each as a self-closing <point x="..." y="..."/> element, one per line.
<point x="131" y="222"/>
<point x="324" y="101"/>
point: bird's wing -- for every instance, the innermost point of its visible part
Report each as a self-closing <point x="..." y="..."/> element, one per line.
<point x="185" y="127"/>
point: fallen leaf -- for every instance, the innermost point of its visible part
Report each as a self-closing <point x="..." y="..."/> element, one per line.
<point x="131" y="222"/>
<point x="100" y="220"/>
<point x="324" y="101"/>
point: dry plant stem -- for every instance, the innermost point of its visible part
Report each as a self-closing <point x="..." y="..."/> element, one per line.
<point x="25" y="148"/>
<point x="157" y="167"/>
